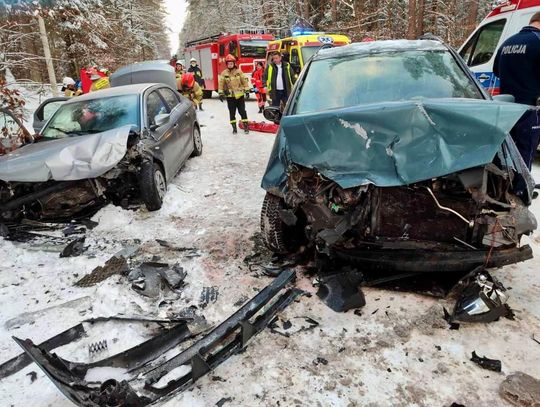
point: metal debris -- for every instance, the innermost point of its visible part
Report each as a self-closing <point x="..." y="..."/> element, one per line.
<point x="97" y="347"/>
<point x="208" y="295"/>
<point x="486" y="363"/>
<point x="149" y="278"/>
<point x="115" y="265"/>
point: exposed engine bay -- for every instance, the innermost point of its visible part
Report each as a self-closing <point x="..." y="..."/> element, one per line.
<point x="60" y="200"/>
<point x="472" y="210"/>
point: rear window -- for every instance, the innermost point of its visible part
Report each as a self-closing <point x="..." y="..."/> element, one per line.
<point x="385" y="77"/>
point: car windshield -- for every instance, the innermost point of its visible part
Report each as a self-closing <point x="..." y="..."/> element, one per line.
<point x="253" y="48"/>
<point x="384" y="77"/>
<point x="93" y="116"/>
<point x="308" y="52"/>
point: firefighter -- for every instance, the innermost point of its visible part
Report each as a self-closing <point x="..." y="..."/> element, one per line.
<point x="189" y="88"/>
<point x="279" y="80"/>
<point x="516" y="64"/>
<point x="70" y="88"/>
<point x="257" y="80"/>
<point x="233" y="85"/>
<point x="179" y="69"/>
<point x="193" y="67"/>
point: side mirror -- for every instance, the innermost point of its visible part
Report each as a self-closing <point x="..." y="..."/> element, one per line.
<point x="504" y="98"/>
<point x="160" y="120"/>
<point x="273" y="114"/>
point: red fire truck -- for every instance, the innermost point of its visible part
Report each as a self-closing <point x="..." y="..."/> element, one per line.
<point x="248" y="47"/>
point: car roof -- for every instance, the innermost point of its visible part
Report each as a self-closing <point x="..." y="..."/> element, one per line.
<point x="375" y="47"/>
<point x="135" y="89"/>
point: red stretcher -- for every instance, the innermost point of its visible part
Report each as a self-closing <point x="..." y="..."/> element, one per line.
<point x="262" y="127"/>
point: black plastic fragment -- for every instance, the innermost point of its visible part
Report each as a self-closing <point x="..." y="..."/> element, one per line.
<point x="486" y="363"/>
<point x="341" y="291"/>
<point x="74" y="248"/>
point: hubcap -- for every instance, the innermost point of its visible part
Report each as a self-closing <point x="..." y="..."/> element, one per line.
<point x="197" y="139"/>
<point x="161" y="185"/>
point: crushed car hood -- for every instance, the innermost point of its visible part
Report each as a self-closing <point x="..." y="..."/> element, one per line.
<point x="392" y="144"/>
<point x="67" y="159"/>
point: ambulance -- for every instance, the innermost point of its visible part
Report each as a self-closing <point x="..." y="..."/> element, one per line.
<point x="298" y="49"/>
<point x="481" y="47"/>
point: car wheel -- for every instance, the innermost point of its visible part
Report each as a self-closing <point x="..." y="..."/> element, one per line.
<point x="277" y="236"/>
<point x="197" y="142"/>
<point x="152" y="184"/>
<point x="207" y="94"/>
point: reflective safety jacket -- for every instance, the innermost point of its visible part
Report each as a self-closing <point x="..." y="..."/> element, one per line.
<point x="101" y="83"/>
<point x="195" y="94"/>
<point x="197" y="73"/>
<point x="233" y="83"/>
<point x="270" y="77"/>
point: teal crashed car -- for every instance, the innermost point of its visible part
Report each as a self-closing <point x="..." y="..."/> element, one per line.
<point x="390" y="154"/>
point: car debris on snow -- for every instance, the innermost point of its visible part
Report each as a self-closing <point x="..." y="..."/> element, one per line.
<point x="486" y="363"/>
<point x="149" y="278"/>
<point x="340" y="291"/>
<point x="480" y="298"/>
<point x="74" y="248"/>
<point x="115" y="265"/>
<point x="143" y="369"/>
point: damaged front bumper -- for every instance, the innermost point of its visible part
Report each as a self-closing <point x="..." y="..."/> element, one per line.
<point x="145" y="385"/>
<point x="434" y="261"/>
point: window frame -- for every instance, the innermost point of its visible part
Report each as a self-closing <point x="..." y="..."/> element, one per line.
<point x="473" y="42"/>
<point x="175" y="95"/>
<point x="150" y="92"/>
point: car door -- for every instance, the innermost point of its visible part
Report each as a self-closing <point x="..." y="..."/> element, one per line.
<point x="165" y="135"/>
<point x="45" y="111"/>
<point x="181" y="119"/>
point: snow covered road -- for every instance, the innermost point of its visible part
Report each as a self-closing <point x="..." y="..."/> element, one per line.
<point x="397" y="352"/>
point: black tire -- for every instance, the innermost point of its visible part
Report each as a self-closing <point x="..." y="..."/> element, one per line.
<point x="197" y="142"/>
<point x="152" y="184"/>
<point x="207" y="94"/>
<point x="276" y="234"/>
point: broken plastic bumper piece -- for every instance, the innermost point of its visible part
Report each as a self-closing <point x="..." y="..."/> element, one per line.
<point x="146" y="381"/>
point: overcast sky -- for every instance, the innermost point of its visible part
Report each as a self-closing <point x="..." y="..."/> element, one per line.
<point x="175" y="21"/>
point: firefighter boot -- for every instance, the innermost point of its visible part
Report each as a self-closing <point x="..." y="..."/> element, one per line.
<point x="200" y="107"/>
<point x="246" y="128"/>
<point x="260" y="109"/>
<point x="234" y="129"/>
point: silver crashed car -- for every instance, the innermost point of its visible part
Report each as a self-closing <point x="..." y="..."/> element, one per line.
<point x="116" y="145"/>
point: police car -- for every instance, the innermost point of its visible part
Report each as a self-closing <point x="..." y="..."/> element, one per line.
<point x="481" y="47"/>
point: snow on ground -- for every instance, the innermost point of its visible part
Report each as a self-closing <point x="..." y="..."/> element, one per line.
<point x="398" y="352"/>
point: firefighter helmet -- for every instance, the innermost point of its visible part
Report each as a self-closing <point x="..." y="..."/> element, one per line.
<point x="230" y="58"/>
<point x="188" y="80"/>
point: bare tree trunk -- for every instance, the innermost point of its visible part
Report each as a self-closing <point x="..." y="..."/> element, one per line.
<point x="473" y="16"/>
<point x="411" y="25"/>
<point x="334" y="13"/>
<point x="421" y="16"/>
<point x="47" y="53"/>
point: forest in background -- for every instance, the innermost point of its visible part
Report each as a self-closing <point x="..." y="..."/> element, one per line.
<point x="107" y="33"/>
<point x="451" y="20"/>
